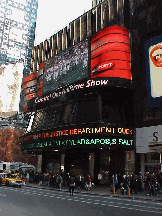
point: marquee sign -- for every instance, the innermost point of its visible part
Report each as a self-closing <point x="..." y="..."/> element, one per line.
<point x="70" y="88"/>
<point x="80" y="131"/>
<point x="81" y="142"/>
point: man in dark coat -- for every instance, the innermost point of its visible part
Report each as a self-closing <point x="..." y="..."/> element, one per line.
<point x="71" y="185"/>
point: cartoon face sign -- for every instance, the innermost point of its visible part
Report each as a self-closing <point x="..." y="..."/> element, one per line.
<point x="156" y="55"/>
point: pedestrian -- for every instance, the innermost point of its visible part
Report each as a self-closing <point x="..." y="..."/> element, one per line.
<point x="116" y="182"/>
<point x="59" y="181"/>
<point x="99" y="178"/>
<point x="40" y="178"/>
<point x="0" y="181"/>
<point x="71" y="185"/>
<point x="132" y="183"/>
<point x="112" y="183"/>
<point x="127" y="183"/>
<point x="135" y="184"/>
<point x="156" y="188"/>
<point x="89" y="182"/>
<point x="27" y="179"/>
<point x="149" y="189"/>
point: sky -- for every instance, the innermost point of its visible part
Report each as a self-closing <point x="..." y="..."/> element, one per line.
<point x="53" y="16"/>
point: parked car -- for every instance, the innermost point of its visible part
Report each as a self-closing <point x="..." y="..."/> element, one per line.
<point x="10" y="180"/>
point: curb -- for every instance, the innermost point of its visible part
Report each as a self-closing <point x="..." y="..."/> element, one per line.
<point x="98" y="194"/>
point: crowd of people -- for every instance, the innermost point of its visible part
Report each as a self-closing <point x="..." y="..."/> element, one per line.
<point x="150" y="183"/>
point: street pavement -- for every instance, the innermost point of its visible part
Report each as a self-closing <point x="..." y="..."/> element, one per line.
<point x="35" y="200"/>
<point x="104" y="191"/>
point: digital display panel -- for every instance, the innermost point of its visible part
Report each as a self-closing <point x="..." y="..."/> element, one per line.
<point x="153" y="54"/>
<point x="66" y="68"/>
<point x="29" y="87"/>
<point x="81" y="142"/>
<point x="110" y="54"/>
<point x="80" y="131"/>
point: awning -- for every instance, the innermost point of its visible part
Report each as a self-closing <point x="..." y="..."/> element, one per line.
<point x="156" y="146"/>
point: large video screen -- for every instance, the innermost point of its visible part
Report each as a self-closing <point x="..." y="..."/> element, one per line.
<point x="110" y="54"/>
<point x="66" y="68"/>
<point x="153" y="54"/>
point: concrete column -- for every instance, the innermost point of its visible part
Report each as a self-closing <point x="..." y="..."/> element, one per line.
<point x="142" y="166"/>
<point x="39" y="162"/>
<point x="63" y="162"/>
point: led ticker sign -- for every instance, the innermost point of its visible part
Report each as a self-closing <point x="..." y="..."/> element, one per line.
<point x="81" y="142"/>
<point x="80" y="131"/>
<point x="110" y="53"/>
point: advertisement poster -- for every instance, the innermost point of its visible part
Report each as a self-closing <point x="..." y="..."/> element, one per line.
<point x="153" y="54"/>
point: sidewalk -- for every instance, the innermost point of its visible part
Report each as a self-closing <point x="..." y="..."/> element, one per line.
<point x="103" y="191"/>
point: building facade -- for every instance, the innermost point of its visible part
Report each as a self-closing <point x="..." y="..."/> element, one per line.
<point x="146" y="68"/>
<point x="17" y="33"/>
<point x="79" y="96"/>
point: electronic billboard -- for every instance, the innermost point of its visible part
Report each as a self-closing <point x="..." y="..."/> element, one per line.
<point x="29" y="87"/>
<point x="69" y="66"/>
<point x="110" y="55"/>
<point x="153" y="54"/>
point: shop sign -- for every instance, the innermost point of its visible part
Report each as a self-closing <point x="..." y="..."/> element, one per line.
<point x="81" y="142"/>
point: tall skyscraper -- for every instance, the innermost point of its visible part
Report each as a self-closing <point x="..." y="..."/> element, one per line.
<point x="17" y="33"/>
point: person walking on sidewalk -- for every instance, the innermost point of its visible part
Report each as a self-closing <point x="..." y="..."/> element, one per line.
<point x="112" y="183"/>
<point x="71" y="185"/>
<point x="89" y="182"/>
<point x="27" y="179"/>
<point x="127" y="183"/>
<point x="0" y="181"/>
<point x="59" y="181"/>
<point x="40" y="178"/>
<point x="116" y="182"/>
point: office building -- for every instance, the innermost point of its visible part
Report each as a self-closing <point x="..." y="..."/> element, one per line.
<point x="17" y="33"/>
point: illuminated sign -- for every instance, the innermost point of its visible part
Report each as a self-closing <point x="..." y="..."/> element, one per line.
<point x="69" y="66"/>
<point x="80" y="131"/>
<point x="40" y="79"/>
<point x="102" y="67"/>
<point x="29" y="86"/>
<point x="81" y="142"/>
<point x="153" y="54"/>
<point x="70" y="88"/>
<point x="110" y="53"/>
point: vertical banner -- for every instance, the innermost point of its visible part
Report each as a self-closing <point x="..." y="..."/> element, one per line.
<point x="29" y="84"/>
<point x="40" y="79"/>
